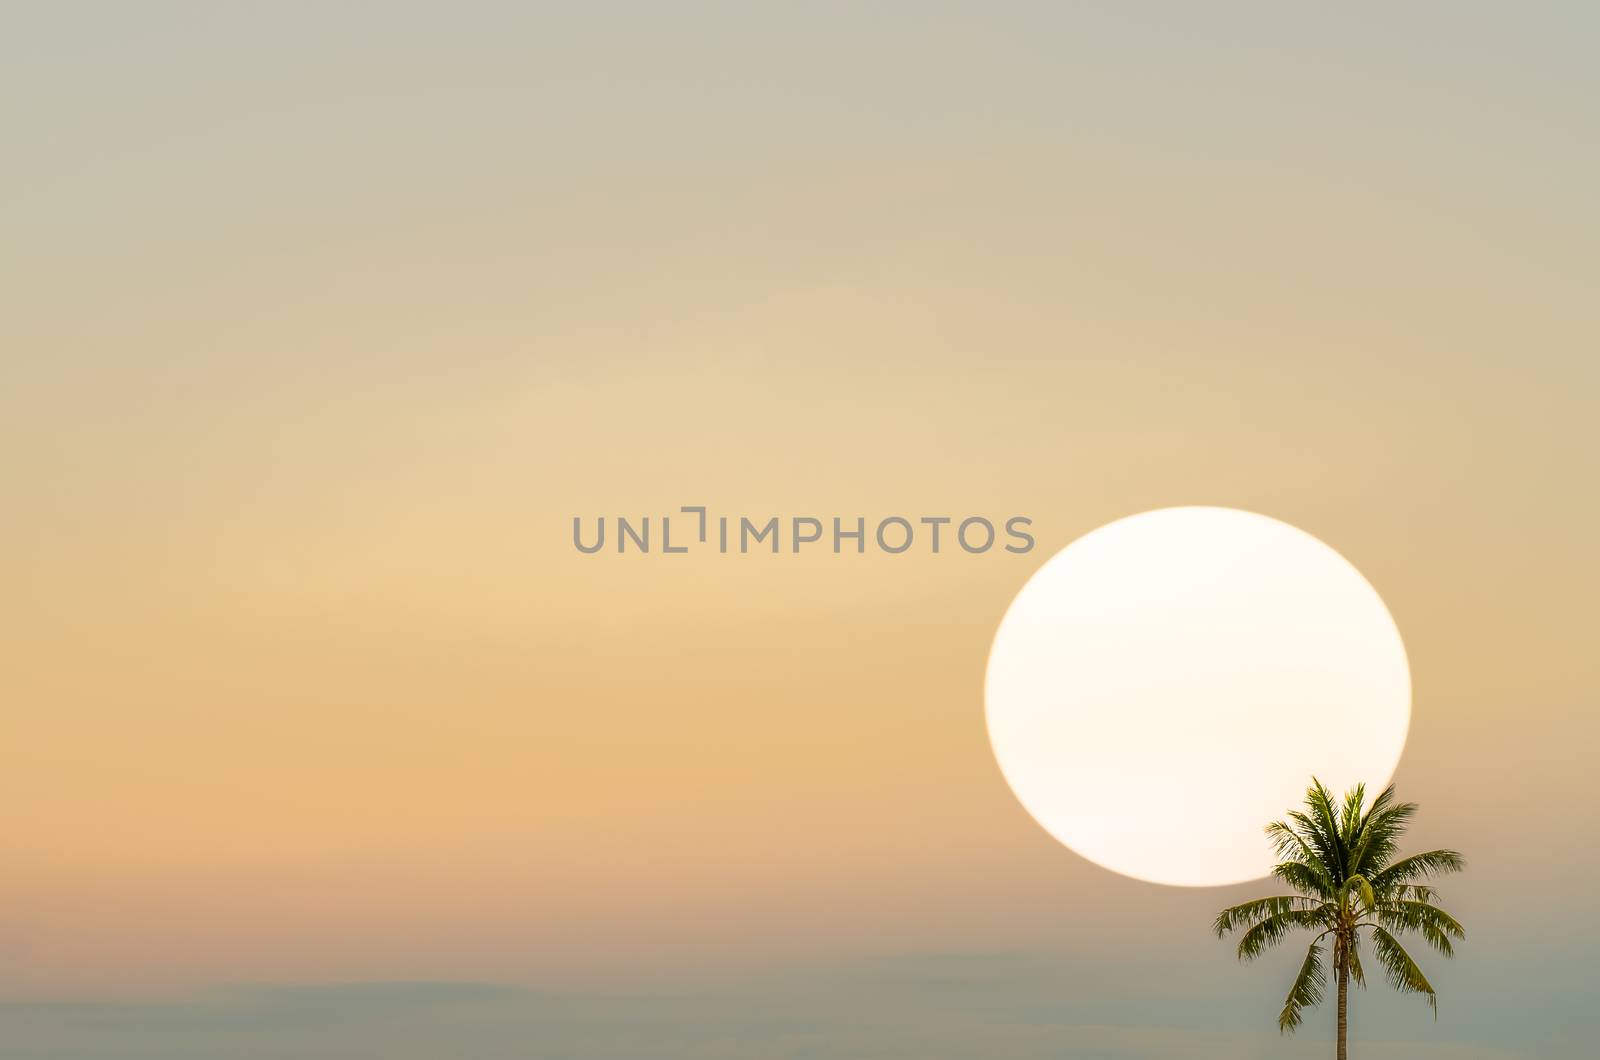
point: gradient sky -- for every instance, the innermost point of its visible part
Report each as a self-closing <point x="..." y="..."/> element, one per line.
<point x="319" y="323"/>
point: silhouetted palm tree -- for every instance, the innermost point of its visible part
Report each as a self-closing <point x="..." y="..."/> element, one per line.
<point x="1341" y="861"/>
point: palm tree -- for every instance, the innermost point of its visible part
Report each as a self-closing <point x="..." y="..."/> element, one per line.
<point x="1340" y="861"/>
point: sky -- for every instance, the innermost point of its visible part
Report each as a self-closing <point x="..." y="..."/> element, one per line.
<point x="319" y="324"/>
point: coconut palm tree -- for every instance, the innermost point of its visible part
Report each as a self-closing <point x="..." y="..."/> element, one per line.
<point x="1349" y="888"/>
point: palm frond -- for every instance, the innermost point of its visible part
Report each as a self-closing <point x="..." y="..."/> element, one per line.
<point x="1324" y="848"/>
<point x="1293" y="847"/>
<point x="1271" y="931"/>
<point x="1379" y="833"/>
<point x="1432" y="923"/>
<point x="1350" y="815"/>
<point x="1419" y="867"/>
<point x="1414" y="892"/>
<point x="1340" y="858"/>
<point x="1402" y="971"/>
<point x="1321" y="804"/>
<point x="1379" y="804"/>
<point x="1309" y="878"/>
<point x="1362" y="889"/>
<point x="1362" y="833"/>
<point x="1253" y="912"/>
<point x="1307" y="991"/>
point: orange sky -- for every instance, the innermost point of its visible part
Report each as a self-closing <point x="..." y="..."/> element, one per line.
<point x="305" y="379"/>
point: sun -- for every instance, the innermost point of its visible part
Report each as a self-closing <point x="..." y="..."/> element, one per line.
<point x="1167" y="684"/>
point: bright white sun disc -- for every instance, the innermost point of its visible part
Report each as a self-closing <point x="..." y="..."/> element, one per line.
<point x="1167" y="684"/>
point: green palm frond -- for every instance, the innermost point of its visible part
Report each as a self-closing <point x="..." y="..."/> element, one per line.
<point x="1420" y="867"/>
<point x="1362" y="832"/>
<point x="1438" y="940"/>
<point x="1308" y="878"/>
<point x="1296" y="849"/>
<point x="1379" y="804"/>
<point x="1403" y="973"/>
<point x="1414" y="891"/>
<point x="1362" y="890"/>
<point x="1324" y="846"/>
<point x="1357" y="973"/>
<point x="1408" y="914"/>
<point x="1253" y="912"/>
<point x="1320" y="802"/>
<point x="1340" y="858"/>
<point x="1307" y="990"/>
<point x="1350" y="815"/>
<point x="1271" y="931"/>
<point x="1379" y="833"/>
<point x="1436" y="926"/>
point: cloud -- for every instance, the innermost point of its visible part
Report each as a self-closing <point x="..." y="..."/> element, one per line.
<point x="265" y="1020"/>
<point x="927" y="1007"/>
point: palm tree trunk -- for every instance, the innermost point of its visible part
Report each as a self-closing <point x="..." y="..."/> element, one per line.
<point x="1342" y="969"/>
